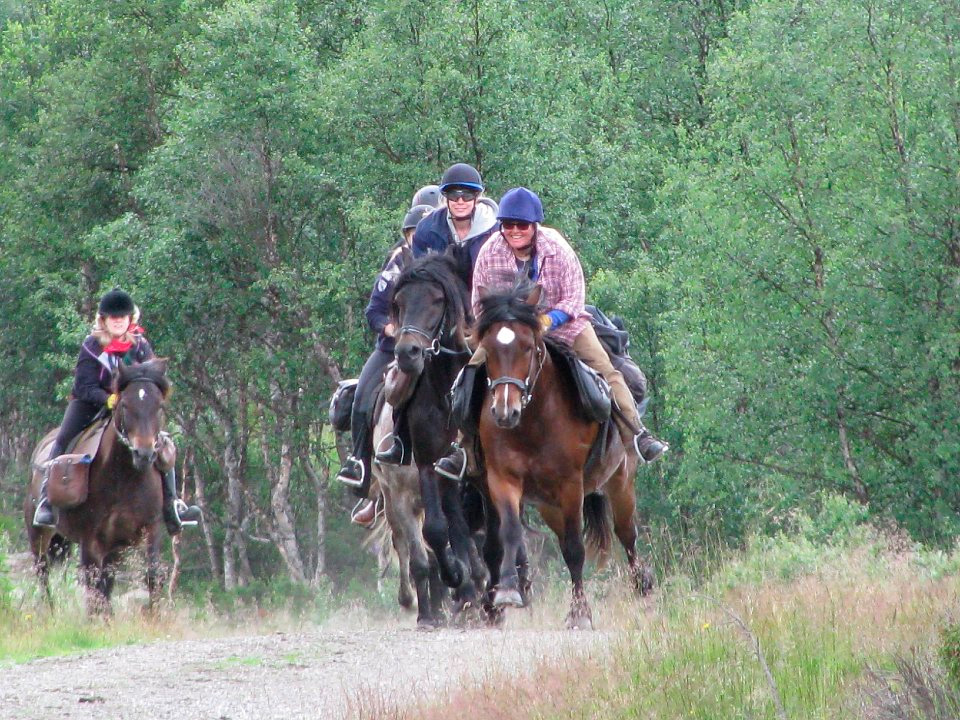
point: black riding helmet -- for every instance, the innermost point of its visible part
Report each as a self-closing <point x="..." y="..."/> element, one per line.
<point x="415" y="215"/>
<point x="461" y="175"/>
<point x="116" y="303"/>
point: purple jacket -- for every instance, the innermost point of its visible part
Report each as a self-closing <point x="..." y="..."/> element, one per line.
<point x="95" y="368"/>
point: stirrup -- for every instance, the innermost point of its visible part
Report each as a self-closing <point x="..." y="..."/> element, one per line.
<point x="386" y="456"/>
<point x="44" y="504"/>
<point x="636" y="448"/>
<point x="449" y="475"/>
<point x="349" y="481"/>
<point x="181" y="508"/>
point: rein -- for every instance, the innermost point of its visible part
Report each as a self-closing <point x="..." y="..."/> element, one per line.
<point x="526" y="385"/>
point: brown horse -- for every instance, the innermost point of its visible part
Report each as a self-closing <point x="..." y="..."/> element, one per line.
<point x="536" y="445"/>
<point x="124" y="501"/>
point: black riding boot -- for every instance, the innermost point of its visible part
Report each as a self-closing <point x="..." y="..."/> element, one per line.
<point x="176" y="513"/>
<point x="398" y="451"/>
<point x="44" y="516"/>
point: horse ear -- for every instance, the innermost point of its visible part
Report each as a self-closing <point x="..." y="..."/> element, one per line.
<point x="160" y="364"/>
<point x="534" y="297"/>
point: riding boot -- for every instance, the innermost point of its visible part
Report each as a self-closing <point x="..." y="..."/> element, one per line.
<point x="176" y="513"/>
<point x="44" y="515"/>
<point x="393" y="455"/>
<point x="648" y="447"/>
<point x="397" y="453"/>
<point x="460" y="461"/>
<point x="355" y="474"/>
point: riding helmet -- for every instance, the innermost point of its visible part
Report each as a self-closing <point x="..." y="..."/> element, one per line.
<point x="415" y="215"/>
<point x="461" y="175"/>
<point x="116" y="303"/>
<point x="427" y="195"/>
<point x="520" y="204"/>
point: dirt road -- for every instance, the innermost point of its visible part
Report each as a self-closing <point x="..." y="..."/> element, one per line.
<point x="315" y="674"/>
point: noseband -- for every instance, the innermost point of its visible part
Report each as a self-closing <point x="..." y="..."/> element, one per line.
<point x="526" y="385"/>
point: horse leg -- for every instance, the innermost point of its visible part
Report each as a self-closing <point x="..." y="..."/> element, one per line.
<point x="155" y="576"/>
<point x="40" y="549"/>
<point x="91" y="574"/>
<point x="393" y="510"/>
<point x="435" y="529"/>
<point x="523" y="574"/>
<point x="505" y="495"/>
<point x="461" y="543"/>
<point x="567" y="523"/>
<point x="623" y="503"/>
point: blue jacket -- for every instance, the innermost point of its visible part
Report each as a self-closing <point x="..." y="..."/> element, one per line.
<point x="378" y="310"/>
<point x="95" y="366"/>
<point x="433" y="233"/>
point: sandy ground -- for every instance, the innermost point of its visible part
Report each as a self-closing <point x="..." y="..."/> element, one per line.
<point x="315" y="674"/>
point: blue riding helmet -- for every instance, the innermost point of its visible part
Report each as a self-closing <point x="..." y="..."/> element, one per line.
<point x="520" y="204"/>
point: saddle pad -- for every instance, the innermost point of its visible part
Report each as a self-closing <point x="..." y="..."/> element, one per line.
<point x="341" y="404"/>
<point x="88" y="441"/>
<point x="68" y="481"/>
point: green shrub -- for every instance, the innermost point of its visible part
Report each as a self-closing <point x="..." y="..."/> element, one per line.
<point x="950" y="651"/>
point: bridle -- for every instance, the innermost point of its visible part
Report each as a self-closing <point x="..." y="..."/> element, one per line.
<point x="435" y="347"/>
<point x="526" y="385"/>
<point x="120" y="427"/>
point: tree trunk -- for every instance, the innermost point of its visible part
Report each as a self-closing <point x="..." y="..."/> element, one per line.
<point x="320" y="482"/>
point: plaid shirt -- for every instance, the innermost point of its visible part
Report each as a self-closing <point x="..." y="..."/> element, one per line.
<point x="558" y="271"/>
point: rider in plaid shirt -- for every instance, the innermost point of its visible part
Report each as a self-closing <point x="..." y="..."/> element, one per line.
<point x="524" y="246"/>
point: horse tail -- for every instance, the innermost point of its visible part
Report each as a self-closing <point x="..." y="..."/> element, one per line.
<point x="379" y="543"/>
<point x="597" y="531"/>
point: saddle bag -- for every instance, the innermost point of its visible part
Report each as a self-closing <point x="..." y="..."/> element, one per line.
<point x="68" y="480"/>
<point x="341" y="404"/>
<point x="466" y="397"/>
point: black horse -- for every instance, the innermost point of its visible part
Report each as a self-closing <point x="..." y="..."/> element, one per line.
<point x="431" y="307"/>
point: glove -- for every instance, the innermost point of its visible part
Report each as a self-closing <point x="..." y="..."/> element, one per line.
<point x="546" y="322"/>
<point x="112" y="401"/>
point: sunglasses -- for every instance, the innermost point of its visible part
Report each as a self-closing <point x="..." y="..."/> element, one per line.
<point x="518" y="224"/>
<point x="467" y="195"/>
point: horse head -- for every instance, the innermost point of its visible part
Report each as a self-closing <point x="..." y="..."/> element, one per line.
<point x="137" y="416"/>
<point x="430" y="311"/>
<point x="509" y="330"/>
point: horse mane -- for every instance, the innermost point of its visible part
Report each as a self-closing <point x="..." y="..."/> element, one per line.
<point x="154" y="371"/>
<point x="447" y="272"/>
<point x="508" y="306"/>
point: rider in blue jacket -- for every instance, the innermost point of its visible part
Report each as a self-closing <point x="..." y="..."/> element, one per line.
<point x="356" y="470"/>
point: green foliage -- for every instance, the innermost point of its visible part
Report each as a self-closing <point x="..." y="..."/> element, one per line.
<point x="950" y="651"/>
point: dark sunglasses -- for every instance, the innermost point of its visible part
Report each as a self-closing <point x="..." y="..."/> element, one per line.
<point x="518" y="224"/>
<point x="460" y="194"/>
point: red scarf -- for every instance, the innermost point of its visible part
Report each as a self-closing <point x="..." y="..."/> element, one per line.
<point x="120" y="347"/>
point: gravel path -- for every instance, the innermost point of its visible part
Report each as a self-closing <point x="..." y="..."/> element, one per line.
<point x="316" y="674"/>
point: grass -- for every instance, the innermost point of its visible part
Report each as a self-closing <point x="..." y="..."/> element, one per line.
<point x="848" y="627"/>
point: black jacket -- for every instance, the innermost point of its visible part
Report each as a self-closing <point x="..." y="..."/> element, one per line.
<point x="95" y="367"/>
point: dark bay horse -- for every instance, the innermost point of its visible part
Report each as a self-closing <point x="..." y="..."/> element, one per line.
<point x="430" y="304"/>
<point x="536" y="445"/>
<point x="124" y="501"/>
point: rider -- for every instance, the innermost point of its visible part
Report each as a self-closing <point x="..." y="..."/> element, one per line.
<point x="468" y="218"/>
<point x="428" y="195"/>
<point x="524" y="245"/>
<point x="356" y="470"/>
<point x="116" y="338"/>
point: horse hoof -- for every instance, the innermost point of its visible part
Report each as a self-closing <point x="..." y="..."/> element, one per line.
<point x="427" y="624"/>
<point x="579" y="622"/>
<point x="507" y="598"/>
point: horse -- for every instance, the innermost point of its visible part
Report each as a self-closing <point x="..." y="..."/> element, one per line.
<point x="430" y="305"/>
<point x="403" y="509"/>
<point x="536" y="445"/>
<point x="124" y="502"/>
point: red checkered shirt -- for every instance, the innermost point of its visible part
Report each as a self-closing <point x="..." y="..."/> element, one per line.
<point x="558" y="271"/>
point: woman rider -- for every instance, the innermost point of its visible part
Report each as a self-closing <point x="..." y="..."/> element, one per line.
<point x="356" y="470"/>
<point x="524" y="245"/>
<point x="116" y="338"/>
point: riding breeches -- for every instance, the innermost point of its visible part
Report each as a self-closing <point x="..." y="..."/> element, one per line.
<point x="588" y="348"/>
<point x="363" y="402"/>
<point x="78" y="415"/>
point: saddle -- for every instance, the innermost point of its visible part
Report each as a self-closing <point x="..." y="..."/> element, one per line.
<point x="68" y="476"/>
<point x="615" y="340"/>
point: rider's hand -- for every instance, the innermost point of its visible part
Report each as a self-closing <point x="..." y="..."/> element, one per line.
<point x="546" y="322"/>
<point x="112" y="400"/>
<point x="389" y="329"/>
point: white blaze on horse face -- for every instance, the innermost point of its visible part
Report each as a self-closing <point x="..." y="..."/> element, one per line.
<point x="506" y="336"/>
<point x="142" y="394"/>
